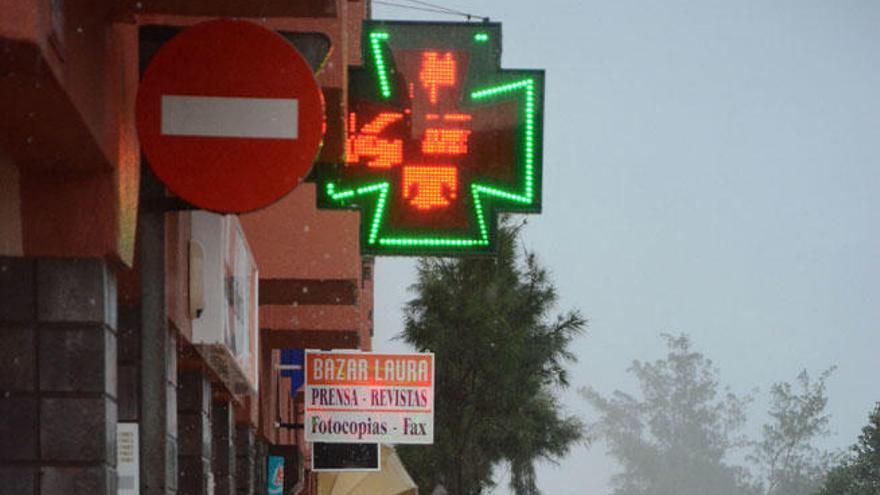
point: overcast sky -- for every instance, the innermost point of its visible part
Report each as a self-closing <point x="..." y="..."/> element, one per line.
<point x="710" y="167"/>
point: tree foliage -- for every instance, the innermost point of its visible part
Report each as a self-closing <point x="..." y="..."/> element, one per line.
<point x="501" y="363"/>
<point x="675" y="438"/>
<point x="678" y="435"/>
<point x="785" y="456"/>
<point x="860" y="473"/>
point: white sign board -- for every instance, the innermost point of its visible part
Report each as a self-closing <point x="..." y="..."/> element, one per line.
<point x="225" y="332"/>
<point x="127" y="457"/>
<point x="359" y="397"/>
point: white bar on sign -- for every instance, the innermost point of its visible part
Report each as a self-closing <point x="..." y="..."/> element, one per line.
<point x="288" y="367"/>
<point x="234" y="117"/>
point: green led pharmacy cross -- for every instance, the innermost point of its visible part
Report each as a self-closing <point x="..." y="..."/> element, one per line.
<point x="440" y="140"/>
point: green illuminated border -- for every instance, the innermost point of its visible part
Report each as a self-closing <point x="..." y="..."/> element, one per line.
<point x="376" y="39"/>
<point x="488" y="199"/>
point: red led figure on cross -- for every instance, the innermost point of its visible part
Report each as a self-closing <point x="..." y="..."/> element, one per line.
<point x="429" y="180"/>
<point x="367" y="143"/>
<point x="436" y="72"/>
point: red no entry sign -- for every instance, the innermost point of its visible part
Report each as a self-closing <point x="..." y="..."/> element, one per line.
<point x="229" y="116"/>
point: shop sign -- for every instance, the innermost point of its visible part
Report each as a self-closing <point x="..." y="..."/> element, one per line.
<point x="275" y="478"/>
<point x="292" y="364"/>
<point x="369" y="397"/>
<point x="440" y="140"/>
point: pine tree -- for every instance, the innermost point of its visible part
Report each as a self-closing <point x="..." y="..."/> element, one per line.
<point x="501" y="364"/>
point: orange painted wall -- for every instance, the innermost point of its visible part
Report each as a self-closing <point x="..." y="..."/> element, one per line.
<point x="67" y="127"/>
<point x="293" y="239"/>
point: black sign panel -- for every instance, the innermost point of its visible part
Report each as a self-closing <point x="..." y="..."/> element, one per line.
<point x="345" y="456"/>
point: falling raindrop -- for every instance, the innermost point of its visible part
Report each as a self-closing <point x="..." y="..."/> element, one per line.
<point x="79" y="29"/>
<point x="305" y="228"/>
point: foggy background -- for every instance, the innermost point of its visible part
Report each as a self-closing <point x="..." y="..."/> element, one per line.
<point x="710" y="167"/>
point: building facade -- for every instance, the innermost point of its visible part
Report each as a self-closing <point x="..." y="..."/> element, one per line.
<point x="125" y="309"/>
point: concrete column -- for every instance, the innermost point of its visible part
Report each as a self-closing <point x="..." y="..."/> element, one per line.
<point x="224" y="447"/>
<point x="57" y="376"/>
<point x="194" y="433"/>
<point x="245" y="458"/>
<point x="158" y="342"/>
